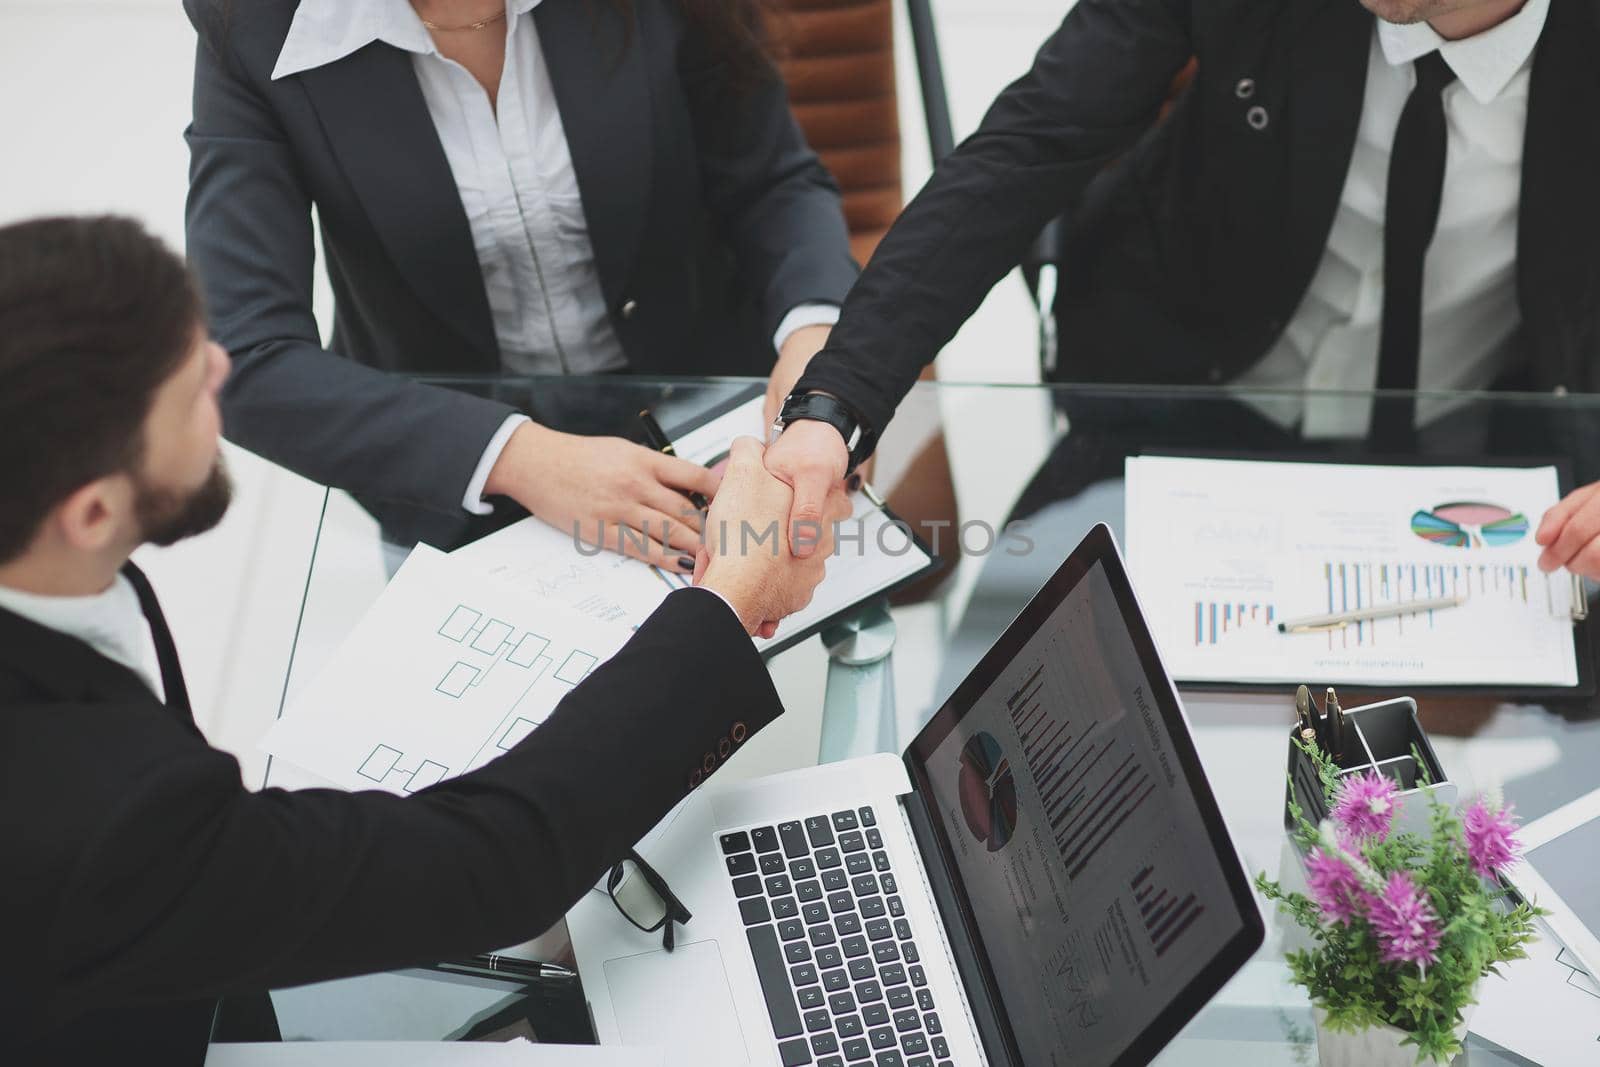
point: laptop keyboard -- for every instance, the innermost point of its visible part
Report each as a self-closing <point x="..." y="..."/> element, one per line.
<point x="840" y="971"/>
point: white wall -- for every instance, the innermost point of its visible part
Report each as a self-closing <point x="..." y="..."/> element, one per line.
<point x="94" y="96"/>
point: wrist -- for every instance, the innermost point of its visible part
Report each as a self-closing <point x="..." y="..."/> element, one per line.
<point x="529" y="446"/>
<point x="738" y="593"/>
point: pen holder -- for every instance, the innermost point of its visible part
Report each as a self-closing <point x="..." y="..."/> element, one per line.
<point x="1385" y="736"/>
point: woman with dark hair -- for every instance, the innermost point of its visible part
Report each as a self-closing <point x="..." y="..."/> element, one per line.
<point x="501" y="186"/>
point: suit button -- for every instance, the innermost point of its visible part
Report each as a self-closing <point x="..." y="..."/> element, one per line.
<point x="1245" y="89"/>
<point x="695" y="779"/>
<point x="628" y="308"/>
<point x="708" y="764"/>
<point x="1257" y="117"/>
<point x="724" y="747"/>
<point x="739" y="733"/>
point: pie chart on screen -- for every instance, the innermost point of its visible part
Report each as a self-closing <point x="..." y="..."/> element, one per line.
<point x="988" y="792"/>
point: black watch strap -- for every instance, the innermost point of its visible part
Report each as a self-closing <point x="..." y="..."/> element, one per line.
<point x="859" y="439"/>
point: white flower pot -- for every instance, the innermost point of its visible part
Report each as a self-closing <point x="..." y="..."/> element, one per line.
<point x="1379" y="1047"/>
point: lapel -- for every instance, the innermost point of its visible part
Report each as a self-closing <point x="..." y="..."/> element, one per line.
<point x="1559" y="219"/>
<point x="602" y="83"/>
<point x="1329" y="44"/>
<point x="377" y="122"/>
<point x="68" y="668"/>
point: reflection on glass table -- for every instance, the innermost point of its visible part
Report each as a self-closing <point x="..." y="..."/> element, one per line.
<point x="1058" y="469"/>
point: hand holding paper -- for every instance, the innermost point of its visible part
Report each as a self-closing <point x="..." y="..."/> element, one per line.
<point x="1570" y="533"/>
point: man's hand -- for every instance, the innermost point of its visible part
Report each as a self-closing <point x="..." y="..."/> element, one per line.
<point x="746" y="558"/>
<point x="605" y="490"/>
<point x="1570" y="533"/>
<point x="810" y="458"/>
<point x="796" y="353"/>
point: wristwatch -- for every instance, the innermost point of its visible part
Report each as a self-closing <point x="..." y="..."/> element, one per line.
<point x="859" y="439"/>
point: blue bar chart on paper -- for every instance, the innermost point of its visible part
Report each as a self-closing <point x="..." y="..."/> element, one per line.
<point x="1226" y="553"/>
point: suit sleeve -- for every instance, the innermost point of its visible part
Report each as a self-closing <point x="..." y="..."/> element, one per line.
<point x="197" y="887"/>
<point x="772" y="198"/>
<point x="249" y="236"/>
<point x="1094" y="88"/>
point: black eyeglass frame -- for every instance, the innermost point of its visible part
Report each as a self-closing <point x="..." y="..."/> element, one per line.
<point x="675" y="912"/>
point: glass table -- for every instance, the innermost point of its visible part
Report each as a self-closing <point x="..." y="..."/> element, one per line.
<point x="876" y="676"/>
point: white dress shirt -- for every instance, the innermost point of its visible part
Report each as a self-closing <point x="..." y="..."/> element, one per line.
<point x="1469" y="298"/>
<point x="513" y="170"/>
<point x="111" y="623"/>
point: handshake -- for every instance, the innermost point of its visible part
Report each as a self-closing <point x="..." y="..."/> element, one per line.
<point x="747" y="556"/>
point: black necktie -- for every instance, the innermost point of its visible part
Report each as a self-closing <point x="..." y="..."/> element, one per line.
<point x="1416" y="180"/>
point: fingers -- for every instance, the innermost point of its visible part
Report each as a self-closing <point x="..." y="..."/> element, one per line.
<point x="679" y="509"/>
<point x="767" y="630"/>
<point x="808" y="516"/>
<point x="684" y="476"/>
<point x="702" y="560"/>
<point x="1556" y="518"/>
<point x="1581" y="527"/>
<point x="636" y="542"/>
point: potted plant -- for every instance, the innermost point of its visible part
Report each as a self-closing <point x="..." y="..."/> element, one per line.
<point x="1403" y="925"/>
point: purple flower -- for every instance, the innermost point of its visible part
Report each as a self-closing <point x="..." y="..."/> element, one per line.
<point x="1334" y="886"/>
<point x="1365" y="807"/>
<point x="1492" y="842"/>
<point x="1407" y="928"/>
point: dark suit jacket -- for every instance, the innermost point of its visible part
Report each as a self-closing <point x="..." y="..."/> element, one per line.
<point x="681" y="177"/>
<point x="142" y="880"/>
<point x="1192" y="243"/>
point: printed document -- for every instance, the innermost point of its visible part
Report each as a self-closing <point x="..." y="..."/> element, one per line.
<point x="1221" y="551"/>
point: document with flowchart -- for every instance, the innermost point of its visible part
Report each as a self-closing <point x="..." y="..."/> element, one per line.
<point x="448" y="669"/>
<point x="1227" y="554"/>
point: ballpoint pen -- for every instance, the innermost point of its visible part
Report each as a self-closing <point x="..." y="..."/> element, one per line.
<point x="1302" y="710"/>
<point x="1335" y="717"/>
<point x="1341" y="619"/>
<point x="658" y="440"/>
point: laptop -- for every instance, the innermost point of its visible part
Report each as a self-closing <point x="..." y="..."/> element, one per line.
<point x="1042" y="877"/>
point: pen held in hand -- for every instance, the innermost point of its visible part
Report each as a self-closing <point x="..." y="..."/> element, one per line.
<point x="1339" y="620"/>
<point x="657" y="439"/>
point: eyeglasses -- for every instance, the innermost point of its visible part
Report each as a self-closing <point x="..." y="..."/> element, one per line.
<point x="644" y="899"/>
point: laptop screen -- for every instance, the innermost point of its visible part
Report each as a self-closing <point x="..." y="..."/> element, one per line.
<point x="1097" y="875"/>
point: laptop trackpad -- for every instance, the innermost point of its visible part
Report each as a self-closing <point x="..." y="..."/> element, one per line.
<point x="679" y="1000"/>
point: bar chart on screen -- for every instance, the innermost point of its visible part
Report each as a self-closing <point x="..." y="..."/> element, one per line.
<point x="1167" y="913"/>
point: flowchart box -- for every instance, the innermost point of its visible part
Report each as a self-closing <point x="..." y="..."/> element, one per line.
<point x="493" y="636"/>
<point x="528" y="650"/>
<point x="514" y="734"/>
<point x="378" y="765"/>
<point x="460" y="623"/>
<point x="577" y="666"/>
<point x="457" y="680"/>
<point x="428" y="774"/>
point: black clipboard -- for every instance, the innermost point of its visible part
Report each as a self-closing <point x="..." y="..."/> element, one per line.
<point x="1585" y="635"/>
<point x="784" y="641"/>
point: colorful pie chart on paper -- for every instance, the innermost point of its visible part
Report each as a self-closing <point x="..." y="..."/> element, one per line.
<point x="1468" y="524"/>
<point x="988" y="792"/>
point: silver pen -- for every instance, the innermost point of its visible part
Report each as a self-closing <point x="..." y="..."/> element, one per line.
<point x="1339" y="620"/>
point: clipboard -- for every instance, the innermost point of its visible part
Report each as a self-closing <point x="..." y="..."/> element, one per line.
<point x="1586" y="636"/>
<point x="921" y="561"/>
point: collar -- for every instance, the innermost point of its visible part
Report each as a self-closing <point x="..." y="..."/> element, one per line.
<point x="111" y="623"/>
<point x="1486" y="62"/>
<point x="325" y="31"/>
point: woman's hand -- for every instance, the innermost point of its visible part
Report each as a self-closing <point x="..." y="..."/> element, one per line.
<point x="1570" y="533"/>
<point x="604" y="490"/>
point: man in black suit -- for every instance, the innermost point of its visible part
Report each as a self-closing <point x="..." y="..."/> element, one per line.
<point x="142" y="880"/>
<point x="1275" y="229"/>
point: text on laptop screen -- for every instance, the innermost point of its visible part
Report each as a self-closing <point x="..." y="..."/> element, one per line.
<point x="1093" y="883"/>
